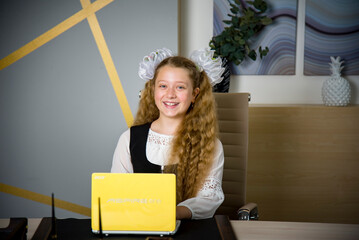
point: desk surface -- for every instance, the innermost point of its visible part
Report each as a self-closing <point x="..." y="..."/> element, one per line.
<point x="248" y="230"/>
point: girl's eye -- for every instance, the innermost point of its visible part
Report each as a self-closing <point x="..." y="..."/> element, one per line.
<point x="181" y="87"/>
<point x="162" y="86"/>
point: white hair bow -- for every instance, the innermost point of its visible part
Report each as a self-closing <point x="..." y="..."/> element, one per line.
<point x="203" y="58"/>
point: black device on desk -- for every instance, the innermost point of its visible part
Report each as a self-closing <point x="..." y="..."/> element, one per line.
<point x="17" y="229"/>
<point x="47" y="229"/>
<point x="214" y="228"/>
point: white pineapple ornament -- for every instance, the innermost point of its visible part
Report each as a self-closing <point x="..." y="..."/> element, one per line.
<point x="336" y="89"/>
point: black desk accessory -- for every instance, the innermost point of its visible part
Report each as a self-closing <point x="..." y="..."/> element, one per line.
<point x="80" y="229"/>
<point x="216" y="228"/>
<point x="47" y="229"/>
<point x="53" y="219"/>
<point x="99" y="218"/>
<point x="17" y="229"/>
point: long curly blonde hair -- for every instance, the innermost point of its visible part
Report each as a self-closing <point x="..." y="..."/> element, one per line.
<point x="193" y="145"/>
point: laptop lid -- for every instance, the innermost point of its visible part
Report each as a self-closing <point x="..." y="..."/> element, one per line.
<point x="139" y="203"/>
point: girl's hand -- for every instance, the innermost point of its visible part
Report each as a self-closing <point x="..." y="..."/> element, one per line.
<point x="183" y="212"/>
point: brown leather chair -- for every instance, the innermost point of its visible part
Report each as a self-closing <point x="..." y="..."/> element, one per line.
<point x="232" y="114"/>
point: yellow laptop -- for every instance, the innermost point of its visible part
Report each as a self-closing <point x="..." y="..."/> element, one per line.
<point x="134" y="203"/>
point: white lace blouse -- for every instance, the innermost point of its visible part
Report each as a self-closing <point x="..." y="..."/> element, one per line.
<point x="208" y="199"/>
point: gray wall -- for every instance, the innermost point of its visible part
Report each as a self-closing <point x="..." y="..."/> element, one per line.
<point x="59" y="116"/>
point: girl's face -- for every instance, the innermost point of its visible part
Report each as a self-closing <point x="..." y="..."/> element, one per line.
<point x="173" y="92"/>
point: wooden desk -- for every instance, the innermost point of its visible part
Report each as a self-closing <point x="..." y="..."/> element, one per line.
<point x="247" y="230"/>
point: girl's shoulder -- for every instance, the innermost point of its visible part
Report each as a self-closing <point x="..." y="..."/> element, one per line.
<point x="219" y="143"/>
<point x="125" y="136"/>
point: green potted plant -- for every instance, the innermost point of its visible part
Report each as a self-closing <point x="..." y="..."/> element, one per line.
<point x="234" y="42"/>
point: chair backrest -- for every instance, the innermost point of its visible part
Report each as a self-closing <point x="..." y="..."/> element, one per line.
<point x="232" y="114"/>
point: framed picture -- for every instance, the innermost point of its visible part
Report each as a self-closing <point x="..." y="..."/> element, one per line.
<point x="279" y="37"/>
<point x="331" y="29"/>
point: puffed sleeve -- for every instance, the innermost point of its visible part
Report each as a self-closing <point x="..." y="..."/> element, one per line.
<point x="211" y="196"/>
<point x="121" y="162"/>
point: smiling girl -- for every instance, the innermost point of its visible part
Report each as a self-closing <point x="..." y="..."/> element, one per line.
<point x="175" y="131"/>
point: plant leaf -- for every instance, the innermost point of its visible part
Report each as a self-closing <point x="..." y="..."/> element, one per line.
<point x="246" y="20"/>
<point x="266" y="20"/>
<point x="252" y="55"/>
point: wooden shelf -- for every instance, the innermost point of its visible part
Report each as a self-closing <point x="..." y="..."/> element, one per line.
<point x="303" y="162"/>
<point x="301" y="105"/>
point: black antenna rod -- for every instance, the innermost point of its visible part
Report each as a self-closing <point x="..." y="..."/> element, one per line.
<point x="53" y="218"/>
<point x="99" y="217"/>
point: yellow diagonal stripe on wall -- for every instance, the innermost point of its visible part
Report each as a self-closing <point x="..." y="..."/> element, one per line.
<point x="44" y="199"/>
<point x="110" y="67"/>
<point x="88" y="12"/>
<point x="52" y="33"/>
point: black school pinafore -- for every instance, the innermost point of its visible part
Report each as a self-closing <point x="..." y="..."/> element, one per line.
<point x="138" y="141"/>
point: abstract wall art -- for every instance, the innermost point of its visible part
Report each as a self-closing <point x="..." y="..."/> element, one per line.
<point x="279" y="37"/>
<point x="331" y="29"/>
